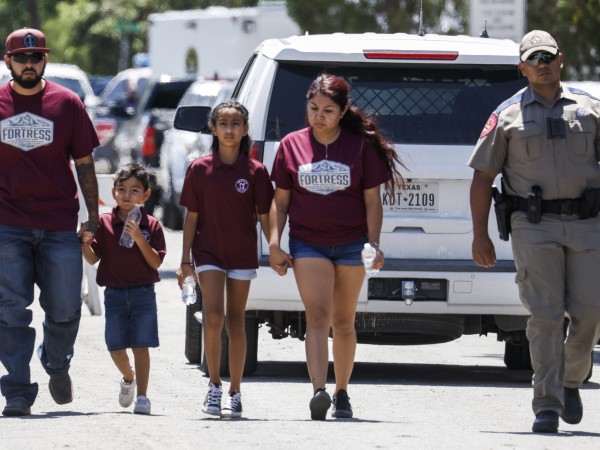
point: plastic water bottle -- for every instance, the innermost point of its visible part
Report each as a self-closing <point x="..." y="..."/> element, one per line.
<point x="135" y="215"/>
<point x="188" y="294"/>
<point x="368" y="255"/>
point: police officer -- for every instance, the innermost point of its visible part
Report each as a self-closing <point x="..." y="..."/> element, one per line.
<point x="545" y="140"/>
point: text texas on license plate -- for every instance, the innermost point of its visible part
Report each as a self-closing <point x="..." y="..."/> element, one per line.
<point x="413" y="197"/>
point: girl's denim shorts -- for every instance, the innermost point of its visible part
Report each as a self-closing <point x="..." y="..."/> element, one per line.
<point x="236" y="274"/>
<point x="341" y="255"/>
<point x="131" y="319"/>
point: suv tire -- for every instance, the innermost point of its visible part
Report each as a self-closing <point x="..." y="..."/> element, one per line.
<point x="251" y="363"/>
<point x="193" y="331"/>
<point x="516" y="356"/>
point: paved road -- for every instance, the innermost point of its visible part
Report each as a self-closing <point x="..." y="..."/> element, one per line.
<point x="454" y="395"/>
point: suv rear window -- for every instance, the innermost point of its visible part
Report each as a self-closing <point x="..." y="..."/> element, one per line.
<point x="167" y="95"/>
<point x="423" y="105"/>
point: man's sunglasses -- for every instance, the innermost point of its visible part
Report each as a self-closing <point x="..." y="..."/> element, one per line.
<point x="22" y="58"/>
<point x="544" y="57"/>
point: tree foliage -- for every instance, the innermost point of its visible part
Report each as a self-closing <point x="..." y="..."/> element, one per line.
<point x="574" y="24"/>
<point x="381" y="16"/>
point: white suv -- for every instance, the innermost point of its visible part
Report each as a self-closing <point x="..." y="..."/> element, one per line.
<point x="432" y="95"/>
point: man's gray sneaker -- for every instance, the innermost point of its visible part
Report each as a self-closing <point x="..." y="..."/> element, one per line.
<point x="16" y="407"/>
<point x="61" y="388"/>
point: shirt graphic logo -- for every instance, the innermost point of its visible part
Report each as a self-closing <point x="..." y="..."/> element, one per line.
<point x="26" y="131"/>
<point x="241" y="185"/>
<point x="324" y="177"/>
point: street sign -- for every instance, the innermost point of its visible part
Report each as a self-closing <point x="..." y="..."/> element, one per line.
<point x="503" y="19"/>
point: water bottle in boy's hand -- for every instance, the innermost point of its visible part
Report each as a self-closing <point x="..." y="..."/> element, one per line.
<point x="189" y="290"/>
<point x="135" y="215"/>
<point x="368" y="255"/>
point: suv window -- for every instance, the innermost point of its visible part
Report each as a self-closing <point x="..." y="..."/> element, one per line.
<point x="167" y="95"/>
<point x="120" y="90"/>
<point x="413" y="105"/>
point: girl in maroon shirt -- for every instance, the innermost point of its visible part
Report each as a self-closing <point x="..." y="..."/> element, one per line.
<point x="224" y="193"/>
<point x="328" y="179"/>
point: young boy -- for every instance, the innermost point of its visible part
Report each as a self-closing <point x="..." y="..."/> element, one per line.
<point x="129" y="275"/>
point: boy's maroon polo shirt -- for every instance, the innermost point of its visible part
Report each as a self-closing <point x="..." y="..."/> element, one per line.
<point x="226" y="198"/>
<point x="121" y="266"/>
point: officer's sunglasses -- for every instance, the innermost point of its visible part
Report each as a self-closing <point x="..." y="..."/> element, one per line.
<point x="544" y="57"/>
<point x="22" y="58"/>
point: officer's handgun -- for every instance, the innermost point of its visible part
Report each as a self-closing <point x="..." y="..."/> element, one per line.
<point x="503" y="210"/>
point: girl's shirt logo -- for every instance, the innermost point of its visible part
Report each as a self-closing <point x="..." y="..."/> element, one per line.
<point x="241" y="185"/>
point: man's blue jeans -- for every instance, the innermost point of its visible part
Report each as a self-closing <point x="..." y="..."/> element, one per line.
<point x="52" y="260"/>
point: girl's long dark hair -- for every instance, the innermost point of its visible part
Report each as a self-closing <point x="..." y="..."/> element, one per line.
<point x="336" y="88"/>
<point x="246" y="142"/>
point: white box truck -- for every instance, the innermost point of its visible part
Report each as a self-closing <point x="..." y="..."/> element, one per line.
<point x="213" y="42"/>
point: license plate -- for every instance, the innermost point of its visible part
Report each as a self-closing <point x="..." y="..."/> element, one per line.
<point x="412" y="197"/>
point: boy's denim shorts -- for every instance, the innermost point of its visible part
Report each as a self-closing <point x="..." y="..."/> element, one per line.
<point x="341" y="255"/>
<point x="236" y="274"/>
<point x="131" y="319"/>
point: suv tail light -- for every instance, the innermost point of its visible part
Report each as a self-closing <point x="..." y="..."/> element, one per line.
<point x="105" y="130"/>
<point x="257" y="150"/>
<point x="410" y="54"/>
<point x="149" y="142"/>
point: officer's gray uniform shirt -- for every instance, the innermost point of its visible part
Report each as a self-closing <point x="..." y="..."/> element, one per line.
<point x="515" y="142"/>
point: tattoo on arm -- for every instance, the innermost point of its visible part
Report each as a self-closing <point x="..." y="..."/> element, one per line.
<point x="88" y="183"/>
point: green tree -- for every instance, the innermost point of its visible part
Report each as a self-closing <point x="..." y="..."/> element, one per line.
<point x="574" y="24"/>
<point x="383" y="16"/>
<point x="91" y="33"/>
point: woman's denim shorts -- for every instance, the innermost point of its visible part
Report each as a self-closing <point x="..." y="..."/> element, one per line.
<point x="131" y="319"/>
<point x="341" y="255"/>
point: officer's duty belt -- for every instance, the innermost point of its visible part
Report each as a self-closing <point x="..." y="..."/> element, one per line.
<point x="566" y="206"/>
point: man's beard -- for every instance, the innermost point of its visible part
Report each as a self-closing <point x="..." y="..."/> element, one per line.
<point x="28" y="83"/>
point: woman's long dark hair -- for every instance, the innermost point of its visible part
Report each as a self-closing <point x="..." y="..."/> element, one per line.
<point x="246" y="142"/>
<point x="336" y="88"/>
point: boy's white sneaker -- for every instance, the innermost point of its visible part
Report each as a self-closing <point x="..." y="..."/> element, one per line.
<point x="126" y="392"/>
<point x="142" y="405"/>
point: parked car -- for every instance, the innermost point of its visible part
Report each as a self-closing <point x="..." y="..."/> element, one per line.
<point x="69" y="76"/>
<point x="432" y="95"/>
<point x="99" y="82"/>
<point x="118" y="105"/>
<point x="180" y="148"/>
<point x="141" y="136"/>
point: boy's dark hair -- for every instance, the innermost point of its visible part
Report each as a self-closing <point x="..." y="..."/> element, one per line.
<point x="134" y="170"/>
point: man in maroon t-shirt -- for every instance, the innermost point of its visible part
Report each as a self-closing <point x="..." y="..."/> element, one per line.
<point x="42" y="127"/>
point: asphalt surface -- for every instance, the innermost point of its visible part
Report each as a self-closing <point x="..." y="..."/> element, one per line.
<point x="457" y="395"/>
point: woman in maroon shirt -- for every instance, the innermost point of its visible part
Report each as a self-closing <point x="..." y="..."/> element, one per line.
<point x="328" y="179"/>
